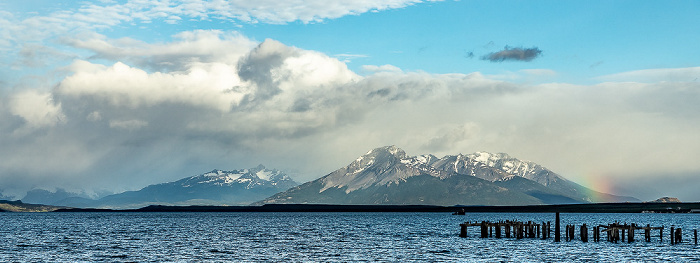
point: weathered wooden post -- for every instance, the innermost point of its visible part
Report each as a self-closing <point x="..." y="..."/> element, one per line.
<point x="463" y="231"/>
<point x="595" y="233"/>
<point x="672" y="233"/>
<point x="647" y="233"/>
<point x="508" y="229"/>
<point x="630" y="234"/>
<point x="498" y="230"/>
<point x="549" y="229"/>
<point x="679" y="236"/>
<point x="584" y="233"/>
<point x="695" y="234"/>
<point x="622" y="237"/>
<point x="557" y="235"/>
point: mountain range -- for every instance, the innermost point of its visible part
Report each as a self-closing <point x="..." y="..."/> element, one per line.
<point x="217" y="187"/>
<point x="387" y="175"/>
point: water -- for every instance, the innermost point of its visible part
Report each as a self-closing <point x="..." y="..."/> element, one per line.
<point x="314" y="237"/>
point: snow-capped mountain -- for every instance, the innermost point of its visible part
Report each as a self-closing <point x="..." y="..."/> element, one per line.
<point x="217" y="187"/>
<point x="387" y="175"/>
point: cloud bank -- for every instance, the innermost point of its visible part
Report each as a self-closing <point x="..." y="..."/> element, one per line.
<point x="211" y="99"/>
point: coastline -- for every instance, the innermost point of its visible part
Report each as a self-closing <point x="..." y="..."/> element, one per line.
<point x="564" y="208"/>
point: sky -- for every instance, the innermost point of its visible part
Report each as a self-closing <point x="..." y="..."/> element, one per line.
<point x="105" y="96"/>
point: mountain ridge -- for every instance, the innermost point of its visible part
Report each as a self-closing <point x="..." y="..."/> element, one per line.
<point x="382" y="170"/>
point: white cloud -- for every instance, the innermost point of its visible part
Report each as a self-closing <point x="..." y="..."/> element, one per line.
<point x="382" y="68"/>
<point x="656" y="75"/>
<point x="292" y="108"/>
<point x="92" y="16"/>
<point x="37" y="109"/>
<point x="189" y="47"/>
<point x="206" y="85"/>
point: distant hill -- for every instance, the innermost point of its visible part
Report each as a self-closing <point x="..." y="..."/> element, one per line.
<point x="19" y="206"/>
<point x="387" y="175"/>
<point x="666" y="199"/>
<point x="59" y="197"/>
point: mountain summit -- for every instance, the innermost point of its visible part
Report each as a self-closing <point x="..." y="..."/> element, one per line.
<point x="387" y="175"/>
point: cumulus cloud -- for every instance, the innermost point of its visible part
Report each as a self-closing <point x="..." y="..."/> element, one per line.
<point x="514" y="54"/>
<point x="187" y="48"/>
<point x="292" y="108"/>
<point x="37" y="109"/>
<point x="208" y="86"/>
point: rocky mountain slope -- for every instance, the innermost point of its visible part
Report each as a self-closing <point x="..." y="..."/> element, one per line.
<point x="387" y="175"/>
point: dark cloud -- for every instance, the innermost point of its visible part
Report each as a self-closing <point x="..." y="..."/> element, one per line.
<point x="517" y="54"/>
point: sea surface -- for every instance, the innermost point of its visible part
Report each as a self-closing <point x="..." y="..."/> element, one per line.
<point x="320" y="237"/>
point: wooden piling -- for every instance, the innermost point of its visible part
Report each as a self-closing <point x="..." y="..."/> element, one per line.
<point x="557" y="235"/>
<point x="584" y="233"/>
<point x="679" y="236"/>
<point x="595" y="233"/>
<point x="672" y="232"/>
<point x="498" y="231"/>
<point x="622" y="237"/>
<point x="463" y="230"/>
<point x="647" y="233"/>
<point x="695" y="235"/>
<point x="630" y="234"/>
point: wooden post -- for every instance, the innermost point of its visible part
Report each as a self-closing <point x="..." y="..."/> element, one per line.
<point x="463" y="231"/>
<point x="622" y="228"/>
<point x="508" y="230"/>
<point x="647" y="234"/>
<point x="557" y="235"/>
<point x="596" y="234"/>
<point x="672" y="232"/>
<point x="679" y="236"/>
<point x="695" y="234"/>
<point x="498" y="231"/>
<point x="630" y="234"/>
<point x="584" y="233"/>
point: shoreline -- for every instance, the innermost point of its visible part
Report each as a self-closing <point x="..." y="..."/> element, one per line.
<point x="564" y="208"/>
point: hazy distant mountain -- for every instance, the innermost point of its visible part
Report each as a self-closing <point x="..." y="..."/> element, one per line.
<point x="60" y="197"/>
<point x="237" y="187"/>
<point x="387" y="175"/>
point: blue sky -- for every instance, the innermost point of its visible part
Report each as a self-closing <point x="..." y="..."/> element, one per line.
<point x="130" y="93"/>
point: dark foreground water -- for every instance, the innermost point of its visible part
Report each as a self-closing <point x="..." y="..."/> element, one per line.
<point x="318" y="237"/>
